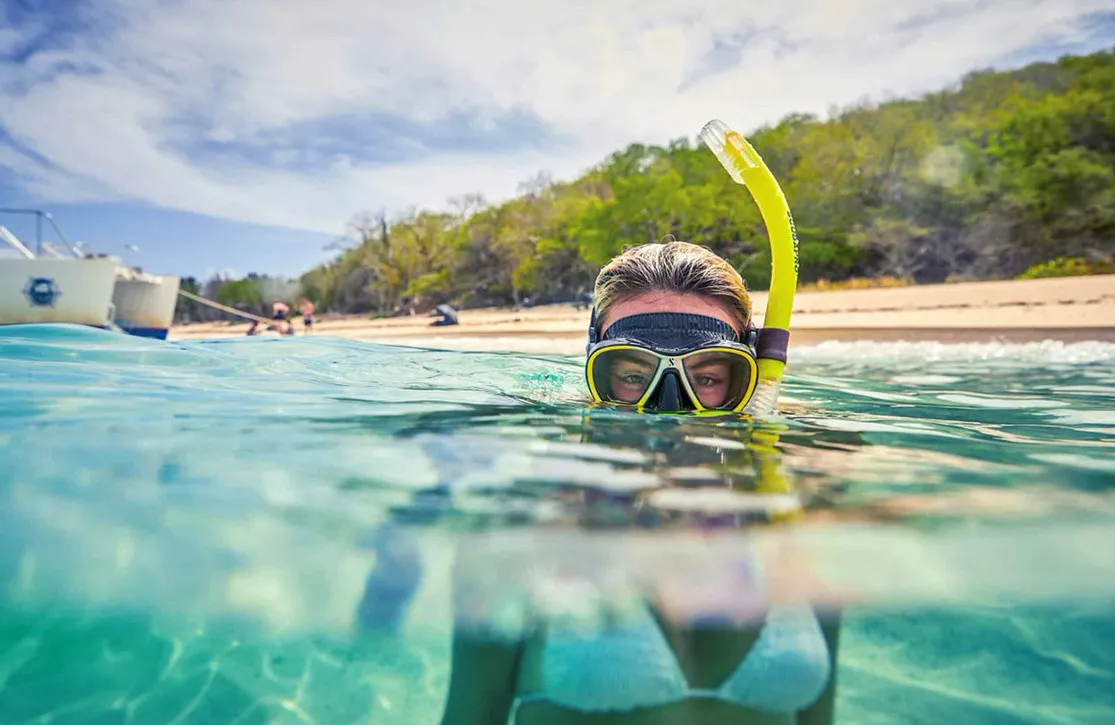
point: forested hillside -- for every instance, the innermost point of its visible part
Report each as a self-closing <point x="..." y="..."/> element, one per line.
<point x="1006" y="174"/>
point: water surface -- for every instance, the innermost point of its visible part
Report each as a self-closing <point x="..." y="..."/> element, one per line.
<point x="250" y="531"/>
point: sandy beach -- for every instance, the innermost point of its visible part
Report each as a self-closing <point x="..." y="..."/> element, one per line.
<point x="1068" y="309"/>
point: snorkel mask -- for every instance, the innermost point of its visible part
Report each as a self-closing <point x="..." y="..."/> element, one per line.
<point x="672" y="362"/>
<point x="675" y="362"/>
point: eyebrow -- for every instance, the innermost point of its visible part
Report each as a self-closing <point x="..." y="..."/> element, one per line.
<point x="718" y="360"/>
<point x="633" y="358"/>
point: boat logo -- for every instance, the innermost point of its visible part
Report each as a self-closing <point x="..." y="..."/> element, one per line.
<point x="41" y="291"/>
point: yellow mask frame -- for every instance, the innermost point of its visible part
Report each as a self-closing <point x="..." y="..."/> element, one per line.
<point x="667" y="361"/>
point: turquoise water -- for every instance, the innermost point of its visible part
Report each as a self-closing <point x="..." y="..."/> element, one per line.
<point x="253" y="531"/>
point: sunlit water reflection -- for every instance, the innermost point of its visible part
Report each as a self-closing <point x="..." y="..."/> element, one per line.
<point x="265" y="530"/>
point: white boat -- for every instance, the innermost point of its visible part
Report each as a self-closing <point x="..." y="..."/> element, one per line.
<point x="45" y="289"/>
<point x="81" y="289"/>
<point x="144" y="302"/>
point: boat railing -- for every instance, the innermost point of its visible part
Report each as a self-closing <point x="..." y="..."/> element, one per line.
<point x="13" y="242"/>
<point x="49" y="249"/>
<point x="40" y="217"/>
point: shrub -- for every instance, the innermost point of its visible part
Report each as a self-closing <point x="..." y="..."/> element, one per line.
<point x="1067" y="267"/>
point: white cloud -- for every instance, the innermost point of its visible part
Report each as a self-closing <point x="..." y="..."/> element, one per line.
<point x="600" y="75"/>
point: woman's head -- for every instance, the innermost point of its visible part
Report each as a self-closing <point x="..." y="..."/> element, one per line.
<point x="670" y="319"/>
<point x="671" y="277"/>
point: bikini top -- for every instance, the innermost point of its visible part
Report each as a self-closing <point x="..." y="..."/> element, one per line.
<point x="631" y="665"/>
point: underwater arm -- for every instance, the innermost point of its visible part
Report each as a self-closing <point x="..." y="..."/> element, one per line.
<point x="482" y="681"/>
<point x="822" y="711"/>
<point x="485" y="653"/>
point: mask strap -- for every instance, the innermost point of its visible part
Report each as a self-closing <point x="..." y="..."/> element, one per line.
<point x="750" y="335"/>
<point x="592" y="334"/>
<point x="772" y="344"/>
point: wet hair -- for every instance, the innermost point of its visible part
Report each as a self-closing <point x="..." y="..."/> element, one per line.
<point x="672" y="266"/>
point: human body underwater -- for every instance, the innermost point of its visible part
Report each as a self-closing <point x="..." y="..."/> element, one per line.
<point x="671" y="333"/>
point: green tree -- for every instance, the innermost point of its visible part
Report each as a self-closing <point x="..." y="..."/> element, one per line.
<point x="994" y="176"/>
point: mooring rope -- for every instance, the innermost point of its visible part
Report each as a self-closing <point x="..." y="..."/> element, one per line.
<point x="224" y="308"/>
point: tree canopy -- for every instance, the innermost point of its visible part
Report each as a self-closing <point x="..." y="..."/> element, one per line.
<point x="1005" y="172"/>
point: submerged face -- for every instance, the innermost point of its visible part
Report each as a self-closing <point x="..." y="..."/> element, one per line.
<point x="716" y="379"/>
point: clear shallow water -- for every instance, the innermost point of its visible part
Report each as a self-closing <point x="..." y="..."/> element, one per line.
<point x="189" y="531"/>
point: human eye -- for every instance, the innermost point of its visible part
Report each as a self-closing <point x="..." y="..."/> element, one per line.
<point x="633" y="378"/>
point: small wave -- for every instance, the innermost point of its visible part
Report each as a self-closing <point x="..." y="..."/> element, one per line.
<point x="903" y="353"/>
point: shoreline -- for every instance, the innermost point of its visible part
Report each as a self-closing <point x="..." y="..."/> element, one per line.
<point x="1069" y="309"/>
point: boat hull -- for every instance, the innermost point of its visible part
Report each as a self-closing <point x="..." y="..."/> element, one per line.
<point x="155" y="333"/>
<point x="145" y="304"/>
<point x="50" y="290"/>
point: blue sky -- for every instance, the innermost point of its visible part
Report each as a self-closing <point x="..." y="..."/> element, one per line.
<point x="243" y="135"/>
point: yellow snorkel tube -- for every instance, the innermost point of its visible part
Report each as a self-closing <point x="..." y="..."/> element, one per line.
<point x="746" y="167"/>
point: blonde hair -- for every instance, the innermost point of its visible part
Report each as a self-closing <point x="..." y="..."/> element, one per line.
<point x="672" y="266"/>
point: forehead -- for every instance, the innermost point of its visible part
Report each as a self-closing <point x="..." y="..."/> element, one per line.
<point x="654" y="301"/>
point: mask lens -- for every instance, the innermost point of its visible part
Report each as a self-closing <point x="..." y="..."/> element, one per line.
<point x="623" y="375"/>
<point x="719" y="378"/>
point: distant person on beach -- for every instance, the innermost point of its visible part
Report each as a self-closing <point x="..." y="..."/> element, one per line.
<point x="307" y="309"/>
<point x="260" y="327"/>
<point x="448" y="316"/>
<point x="279" y="310"/>
<point x="278" y="327"/>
